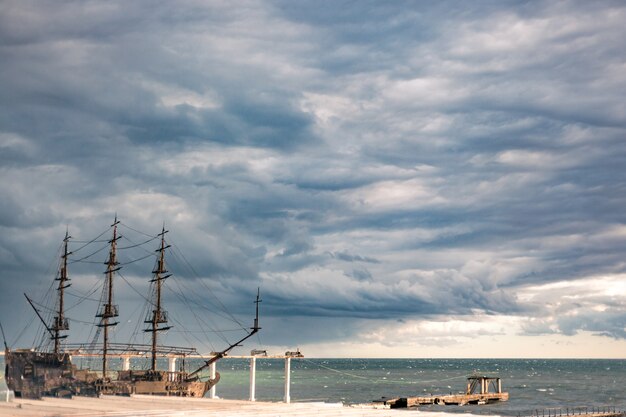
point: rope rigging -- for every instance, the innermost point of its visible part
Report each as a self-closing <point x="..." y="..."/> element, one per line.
<point x="136" y="260"/>
<point x="82" y="298"/>
<point x="180" y="294"/>
<point x="94" y="240"/>
<point x="178" y="252"/>
<point x="196" y="295"/>
<point x="73" y="261"/>
<point x="139" y="293"/>
<point x="135" y="245"/>
<point x="135" y="230"/>
<point x="185" y="299"/>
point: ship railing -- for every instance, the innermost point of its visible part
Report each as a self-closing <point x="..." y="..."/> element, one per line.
<point x="79" y="349"/>
<point x="573" y="411"/>
<point x="176" y="376"/>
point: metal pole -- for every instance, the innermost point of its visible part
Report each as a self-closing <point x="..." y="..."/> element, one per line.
<point x="253" y="379"/>
<point x="287" y="380"/>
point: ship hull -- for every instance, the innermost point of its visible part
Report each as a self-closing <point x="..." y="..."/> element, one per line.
<point x="156" y="383"/>
<point x="32" y="374"/>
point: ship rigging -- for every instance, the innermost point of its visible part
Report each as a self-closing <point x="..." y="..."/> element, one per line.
<point x="47" y="369"/>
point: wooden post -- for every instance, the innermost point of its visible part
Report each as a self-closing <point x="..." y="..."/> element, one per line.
<point x="212" y="376"/>
<point x="287" y="380"/>
<point x="253" y="379"/>
<point x="499" y="386"/>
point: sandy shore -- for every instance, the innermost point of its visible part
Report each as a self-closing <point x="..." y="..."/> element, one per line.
<point x="163" y="406"/>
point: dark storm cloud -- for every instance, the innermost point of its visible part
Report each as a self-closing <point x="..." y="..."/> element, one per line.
<point x="348" y="257"/>
<point x="608" y="323"/>
<point x="361" y="160"/>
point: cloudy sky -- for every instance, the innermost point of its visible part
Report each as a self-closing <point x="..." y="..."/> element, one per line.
<point x="401" y="179"/>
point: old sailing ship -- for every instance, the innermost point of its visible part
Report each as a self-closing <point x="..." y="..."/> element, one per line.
<point x="33" y="373"/>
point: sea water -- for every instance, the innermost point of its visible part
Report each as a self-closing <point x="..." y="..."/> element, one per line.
<point x="533" y="384"/>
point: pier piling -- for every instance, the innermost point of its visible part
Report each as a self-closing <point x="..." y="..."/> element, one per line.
<point x="287" y="379"/>
<point x="253" y="379"/>
<point x="212" y="376"/>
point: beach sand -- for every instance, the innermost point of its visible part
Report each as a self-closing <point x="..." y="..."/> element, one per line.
<point x="170" y="406"/>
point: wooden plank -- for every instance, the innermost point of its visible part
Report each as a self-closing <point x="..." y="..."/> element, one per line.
<point x="453" y="399"/>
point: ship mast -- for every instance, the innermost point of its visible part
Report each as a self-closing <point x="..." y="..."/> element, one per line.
<point x="158" y="316"/>
<point x="108" y="309"/>
<point x="60" y="322"/>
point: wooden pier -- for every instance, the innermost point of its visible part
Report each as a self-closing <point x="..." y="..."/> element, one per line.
<point x="478" y="392"/>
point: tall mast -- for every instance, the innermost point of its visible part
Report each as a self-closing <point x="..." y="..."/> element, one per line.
<point x="158" y="315"/>
<point x="60" y="322"/>
<point x="108" y="309"/>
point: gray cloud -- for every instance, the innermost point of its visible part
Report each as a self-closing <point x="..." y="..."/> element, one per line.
<point x="357" y="161"/>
